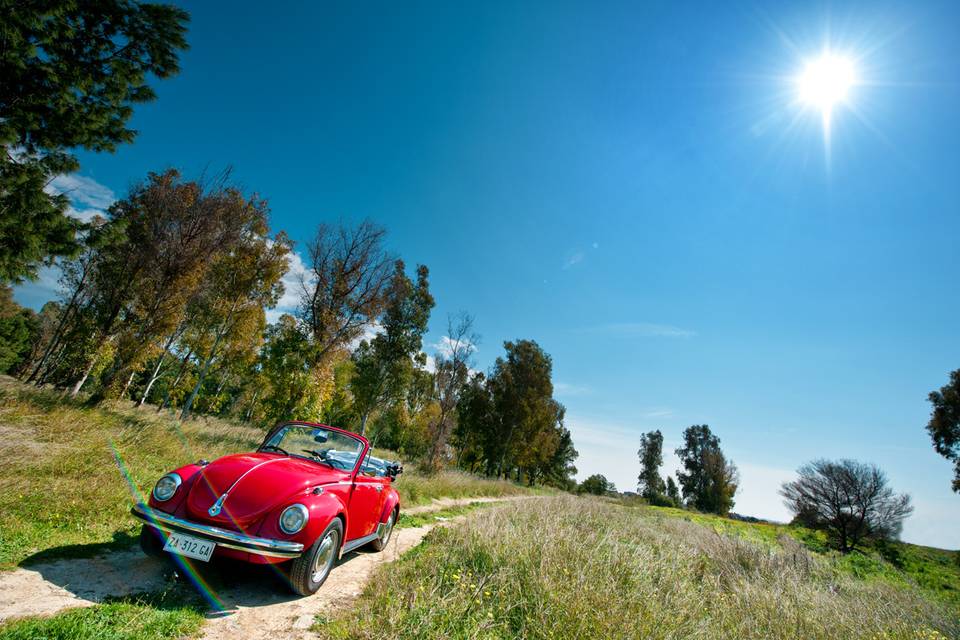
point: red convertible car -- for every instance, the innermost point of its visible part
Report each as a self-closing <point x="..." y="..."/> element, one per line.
<point x="309" y="494"/>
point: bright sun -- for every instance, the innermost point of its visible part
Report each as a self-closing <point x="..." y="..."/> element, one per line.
<point x="826" y="82"/>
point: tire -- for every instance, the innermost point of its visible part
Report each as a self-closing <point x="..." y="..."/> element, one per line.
<point x="150" y="542"/>
<point x="381" y="543"/>
<point x="311" y="569"/>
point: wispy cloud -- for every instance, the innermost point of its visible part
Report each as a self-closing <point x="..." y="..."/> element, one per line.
<point x="658" y="412"/>
<point x="644" y="329"/>
<point x="83" y="190"/>
<point x="573" y="258"/>
<point x="88" y="198"/>
<point x="444" y="346"/>
<point x="566" y="389"/>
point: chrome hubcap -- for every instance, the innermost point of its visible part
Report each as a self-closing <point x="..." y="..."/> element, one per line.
<point x="387" y="530"/>
<point x="325" y="555"/>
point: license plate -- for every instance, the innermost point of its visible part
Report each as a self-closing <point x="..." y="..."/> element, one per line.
<point x="189" y="546"/>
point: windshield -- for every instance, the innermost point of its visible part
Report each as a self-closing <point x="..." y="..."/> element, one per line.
<point x="333" y="448"/>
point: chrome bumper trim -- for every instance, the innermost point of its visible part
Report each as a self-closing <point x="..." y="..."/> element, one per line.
<point x="223" y="537"/>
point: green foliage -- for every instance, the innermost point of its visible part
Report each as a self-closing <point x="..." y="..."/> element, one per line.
<point x="944" y="425"/>
<point x="613" y="572"/>
<point x="708" y="480"/>
<point x="143" y="618"/>
<point x="385" y="365"/>
<point x="650" y="483"/>
<point x="18" y="329"/>
<point x="597" y="485"/>
<point x="509" y="424"/>
<point x="71" y="73"/>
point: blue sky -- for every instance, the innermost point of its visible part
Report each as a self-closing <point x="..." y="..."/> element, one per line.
<point x="635" y="187"/>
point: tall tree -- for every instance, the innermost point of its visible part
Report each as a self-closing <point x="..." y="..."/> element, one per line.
<point x="18" y="327"/>
<point x="673" y="492"/>
<point x="385" y="364"/>
<point x="650" y="484"/>
<point x="849" y="499"/>
<point x="944" y="425"/>
<point x="708" y="481"/>
<point x="242" y="283"/>
<point x="452" y="370"/>
<point x="71" y="74"/>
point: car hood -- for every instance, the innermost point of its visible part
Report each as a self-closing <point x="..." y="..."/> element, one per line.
<point x="255" y="483"/>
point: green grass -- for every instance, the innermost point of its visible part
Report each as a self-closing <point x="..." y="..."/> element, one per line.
<point x="936" y="571"/>
<point x="433" y="517"/>
<point x="63" y="493"/>
<point x="567" y="567"/>
<point x="144" y="618"/>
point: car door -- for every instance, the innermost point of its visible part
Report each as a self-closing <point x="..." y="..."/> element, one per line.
<point x="366" y="503"/>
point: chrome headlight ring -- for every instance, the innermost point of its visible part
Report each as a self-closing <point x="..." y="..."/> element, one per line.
<point x="294" y="518"/>
<point x="166" y="487"/>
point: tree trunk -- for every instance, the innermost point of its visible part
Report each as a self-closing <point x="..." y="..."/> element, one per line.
<point x="185" y="413"/>
<point x="253" y="404"/>
<point x="58" y="333"/>
<point x="156" y="370"/>
<point x="129" y="382"/>
<point x="166" y="396"/>
<point x="83" y="378"/>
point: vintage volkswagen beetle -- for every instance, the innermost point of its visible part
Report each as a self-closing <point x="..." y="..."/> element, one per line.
<point x="309" y="494"/>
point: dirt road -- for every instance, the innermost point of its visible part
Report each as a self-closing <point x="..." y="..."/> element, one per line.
<point x="249" y="601"/>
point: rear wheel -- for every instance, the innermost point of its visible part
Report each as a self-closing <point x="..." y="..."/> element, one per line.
<point x="384" y="538"/>
<point x="311" y="569"/>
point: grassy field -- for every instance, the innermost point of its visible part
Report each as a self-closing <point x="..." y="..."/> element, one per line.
<point x="567" y="567"/>
<point x="70" y="472"/>
<point x="169" y="615"/>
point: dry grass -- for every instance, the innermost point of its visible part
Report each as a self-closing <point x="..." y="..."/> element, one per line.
<point x="580" y="568"/>
<point x="63" y="491"/>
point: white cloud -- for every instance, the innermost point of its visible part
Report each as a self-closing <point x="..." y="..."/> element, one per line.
<point x="565" y="389"/>
<point x="85" y="215"/>
<point x="444" y="346"/>
<point x="292" y="287"/>
<point x="573" y="258"/>
<point x="658" y="412"/>
<point x="645" y="330"/>
<point x="83" y="190"/>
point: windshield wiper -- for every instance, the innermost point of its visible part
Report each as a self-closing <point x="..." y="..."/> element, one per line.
<point x="273" y="447"/>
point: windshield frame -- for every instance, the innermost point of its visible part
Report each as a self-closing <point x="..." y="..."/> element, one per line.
<point x="316" y="425"/>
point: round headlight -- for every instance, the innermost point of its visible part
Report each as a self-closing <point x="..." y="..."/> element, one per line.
<point x="293" y="518"/>
<point x="166" y="487"/>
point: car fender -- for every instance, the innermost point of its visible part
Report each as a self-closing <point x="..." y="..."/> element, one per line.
<point x="322" y="507"/>
<point x="390" y="502"/>
<point x="188" y="475"/>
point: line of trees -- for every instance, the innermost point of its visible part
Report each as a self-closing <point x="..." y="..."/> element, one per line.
<point x="707" y="481"/>
<point x="166" y="304"/>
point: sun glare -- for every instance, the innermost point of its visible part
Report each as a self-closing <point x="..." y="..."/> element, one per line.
<point x="826" y="82"/>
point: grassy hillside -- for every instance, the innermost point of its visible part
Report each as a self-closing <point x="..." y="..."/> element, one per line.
<point x="574" y="567"/>
<point x="69" y="471"/>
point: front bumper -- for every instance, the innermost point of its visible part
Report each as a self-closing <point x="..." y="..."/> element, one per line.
<point x="223" y="537"/>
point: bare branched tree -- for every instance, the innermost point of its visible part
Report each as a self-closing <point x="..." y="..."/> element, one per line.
<point x="345" y="288"/>
<point x="452" y="372"/>
<point x="849" y="499"/>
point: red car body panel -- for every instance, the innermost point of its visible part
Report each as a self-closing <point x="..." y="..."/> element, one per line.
<point x="262" y="484"/>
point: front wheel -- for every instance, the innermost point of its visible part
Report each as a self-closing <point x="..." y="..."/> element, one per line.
<point x="311" y="569"/>
<point x="381" y="542"/>
<point x="151" y="542"/>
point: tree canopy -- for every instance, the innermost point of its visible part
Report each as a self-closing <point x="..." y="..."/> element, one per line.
<point x="944" y="424"/>
<point x="849" y="499"/>
<point x="72" y="72"/>
<point x="708" y="481"/>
